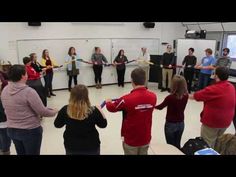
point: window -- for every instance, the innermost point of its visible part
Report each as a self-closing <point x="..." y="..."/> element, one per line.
<point x="231" y="44"/>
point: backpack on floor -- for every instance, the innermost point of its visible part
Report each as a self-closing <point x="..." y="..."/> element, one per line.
<point x="193" y="145"/>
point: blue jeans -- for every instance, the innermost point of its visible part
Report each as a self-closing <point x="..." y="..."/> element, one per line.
<point x="27" y="141"/>
<point x="203" y="80"/>
<point x="173" y="133"/>
<point x="88" y="152"/>
<point x="5" y="141"/>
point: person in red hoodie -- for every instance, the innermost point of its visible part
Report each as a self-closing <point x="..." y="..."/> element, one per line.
<point x="219" y="106"/>
<point x="137" y="110"/>
<point x="34" y="80"/>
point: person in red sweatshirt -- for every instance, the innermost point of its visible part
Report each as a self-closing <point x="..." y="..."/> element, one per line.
<point x="137" y="110"/>
<point x="219" y="106"/>
<point x="175" y="103"/>
<point x="34" y="80"/>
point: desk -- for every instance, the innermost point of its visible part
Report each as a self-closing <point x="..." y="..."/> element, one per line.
<point x="232" y="79"/>
<point x="165" y="149"/>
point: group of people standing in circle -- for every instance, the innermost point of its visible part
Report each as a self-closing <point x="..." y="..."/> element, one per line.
<point x="206" y="67"/>
<point x="98" y="60"/>
<point x="80" y="117"/>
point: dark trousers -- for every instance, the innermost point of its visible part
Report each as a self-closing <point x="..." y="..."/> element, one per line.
<point x="173" y="133"/>
<point x="5" y="141"/>
<point x="98" y="73"/>
<point x="203" y="80"/>
<point x="188" y="74"/>
<point x="234" y="121"/>
<point x="70" y="81"/>
<point x="27" y="141"/>
<point x="86" y="152"/>
<point x="121" y="76"/>
<point x="38" y="87"/>
<point x="48" y="82"/>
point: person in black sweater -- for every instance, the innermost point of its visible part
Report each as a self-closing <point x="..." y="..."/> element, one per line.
<point x="189" y="61"/>
<point x="80" y="136"/>
<point x="166" y="63"/>
<point x="120" y="61"/>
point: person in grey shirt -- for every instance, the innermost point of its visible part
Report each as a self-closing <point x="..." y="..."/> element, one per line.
<point x="98" y="59"/>
<point x="225" y="60"/>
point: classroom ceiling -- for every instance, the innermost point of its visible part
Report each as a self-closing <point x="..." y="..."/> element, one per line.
<point x="210" y="26"/>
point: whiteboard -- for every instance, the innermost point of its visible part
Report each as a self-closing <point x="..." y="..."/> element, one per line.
<point x="199" y="45"/>
<point x="58" y="49"/>
<point x="132" y="47"/>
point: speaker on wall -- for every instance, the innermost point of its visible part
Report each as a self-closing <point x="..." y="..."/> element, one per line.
<point x="34" y="23"/>
<point x="174" y="44"/>
<point x="218" y="46"/>
<point x="149" y="24"/>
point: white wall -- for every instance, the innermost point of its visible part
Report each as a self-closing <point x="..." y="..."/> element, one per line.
<point x="10" y="32"/>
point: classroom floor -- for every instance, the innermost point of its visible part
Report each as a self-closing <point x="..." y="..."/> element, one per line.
<point x="110" y="136"/>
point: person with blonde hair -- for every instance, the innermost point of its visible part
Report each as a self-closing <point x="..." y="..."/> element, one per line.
<point x="143" y="62"/>
<point x="175" y="103"/>
<point x="81" y="136"/>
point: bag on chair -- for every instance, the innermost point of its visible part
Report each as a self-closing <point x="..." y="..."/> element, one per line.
<point x="193" y="145"/>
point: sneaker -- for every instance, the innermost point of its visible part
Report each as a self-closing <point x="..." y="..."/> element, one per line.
<point x="97" y="87"/>
<point x="100" y="85"/>
<point x="168" y="90"/>
<point x="53" y="94"/>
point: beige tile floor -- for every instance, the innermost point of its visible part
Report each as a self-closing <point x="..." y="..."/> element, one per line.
<point x="110" y="136"/>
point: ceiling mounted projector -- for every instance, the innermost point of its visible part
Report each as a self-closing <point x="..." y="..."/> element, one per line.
<point x="192" y="34"/>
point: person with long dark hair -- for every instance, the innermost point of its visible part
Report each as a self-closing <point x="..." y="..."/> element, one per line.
<point x="49" y="63"/>
<point x="119" y="62"/>
<point x="176" y="103"/>
<point x="72" y="66"/>
<point x="98" y="58"/>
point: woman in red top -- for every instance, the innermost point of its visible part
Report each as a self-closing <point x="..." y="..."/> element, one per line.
<point x="175" y="103"/>
<point x="34" y="80"/>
